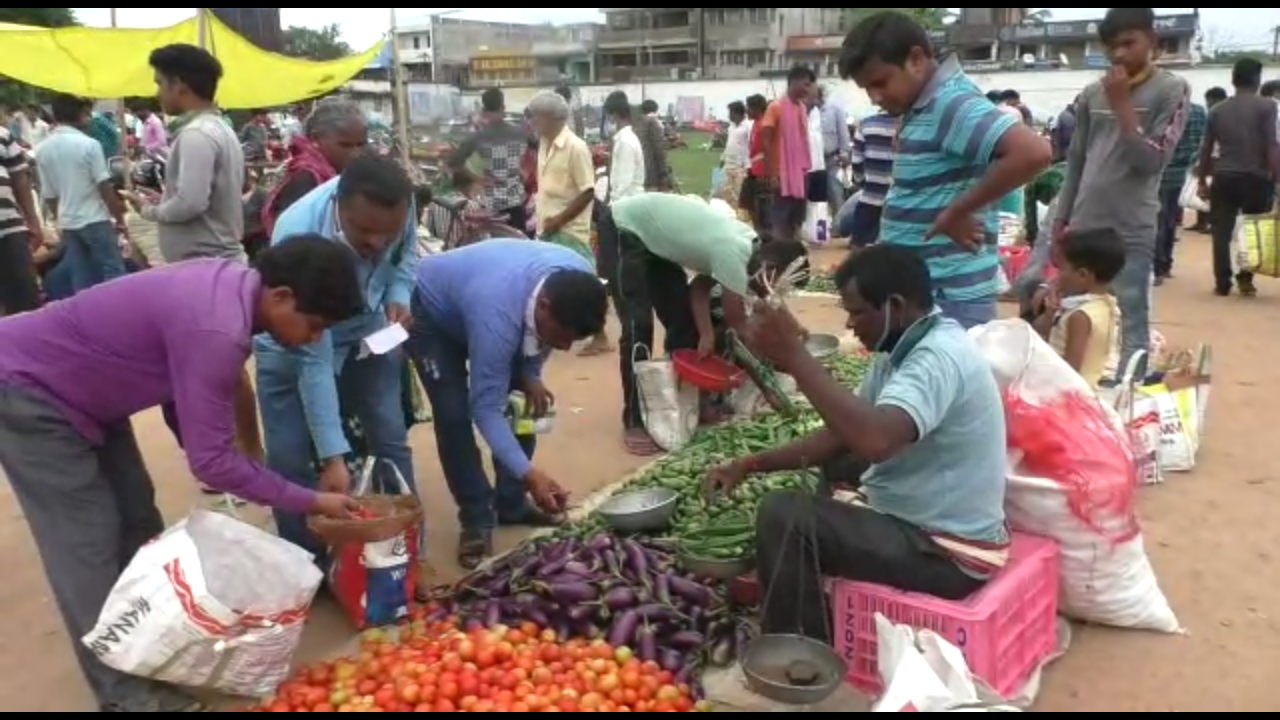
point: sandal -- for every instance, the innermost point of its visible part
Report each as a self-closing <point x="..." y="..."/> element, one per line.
<point x="474" y="549"/>
<point x="638" y="443"/>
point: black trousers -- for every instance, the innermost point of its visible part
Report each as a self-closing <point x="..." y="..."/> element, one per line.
<point x="1230" y="196"/>
<point x="803" y="538"/>
<point x="647" y="286"/>
<point x="19" y="291"/>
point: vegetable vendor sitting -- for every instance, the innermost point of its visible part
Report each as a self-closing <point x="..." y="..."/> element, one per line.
<point x="922" y="443"/>
<point x="366" y="209"/>
<point x="662" y="237"/>
<point x="485" y="319"/>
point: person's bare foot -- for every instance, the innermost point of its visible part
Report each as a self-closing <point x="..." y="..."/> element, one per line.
<point x="598" y="345"/>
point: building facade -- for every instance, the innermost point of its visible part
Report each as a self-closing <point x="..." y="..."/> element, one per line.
<point x="1076" y="44"/>
<point x="713" y="43"/>
<point x="440" y="48"/>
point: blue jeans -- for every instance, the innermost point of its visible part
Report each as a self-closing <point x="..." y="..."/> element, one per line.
<point x="1132" y="288"/>
<point x="92" y="255"/>
<point x="441" y="363"/>
<point x="370" y="387"/>
<point x="969" y="313"/>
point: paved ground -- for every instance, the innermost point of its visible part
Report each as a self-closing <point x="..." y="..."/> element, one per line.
<point x="1211" y="533"/>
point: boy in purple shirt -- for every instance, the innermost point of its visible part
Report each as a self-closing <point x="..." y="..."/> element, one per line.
<point x="73" y="373"/>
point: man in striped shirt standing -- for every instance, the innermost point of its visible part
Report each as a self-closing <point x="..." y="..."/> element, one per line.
<point x="20" y="230"/>
<point x="957" y="156"/>
<point x="872" y="165"/>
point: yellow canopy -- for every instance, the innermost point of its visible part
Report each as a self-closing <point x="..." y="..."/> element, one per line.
<point x="112" y="63"/>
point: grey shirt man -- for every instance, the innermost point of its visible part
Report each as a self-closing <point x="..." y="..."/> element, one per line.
<point x="1113" y="179"/>
<point x="201" y="214"/>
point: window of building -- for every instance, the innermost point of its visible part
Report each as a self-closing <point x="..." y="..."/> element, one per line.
<point x="758" y="16"/>
<point x="417" y="42"/>
<point x="621" y="21"/>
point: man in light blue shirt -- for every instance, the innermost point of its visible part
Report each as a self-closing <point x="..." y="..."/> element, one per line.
<point x="485" y="319"/>
<point x="369" y="209"/>
<point x="835" y="148"/>
<point x="76" y="186"/>
<point x="921" y="444"/>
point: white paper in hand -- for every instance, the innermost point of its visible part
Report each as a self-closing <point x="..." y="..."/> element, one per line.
<point x="383" y="341"/>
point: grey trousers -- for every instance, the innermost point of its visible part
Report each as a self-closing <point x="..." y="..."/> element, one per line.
<point x="90" y="508"/>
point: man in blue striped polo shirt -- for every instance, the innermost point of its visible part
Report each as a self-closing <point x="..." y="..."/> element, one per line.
<point x="957" y="156"/>
<point x="872" y="165"/>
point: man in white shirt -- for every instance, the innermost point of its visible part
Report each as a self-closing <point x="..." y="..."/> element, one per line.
<point x="626" y="158"/>
<point x="737" y="157"/>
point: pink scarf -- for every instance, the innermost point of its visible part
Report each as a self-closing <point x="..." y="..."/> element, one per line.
<point x="304" y="157"/>
<point x="793" y="148"/>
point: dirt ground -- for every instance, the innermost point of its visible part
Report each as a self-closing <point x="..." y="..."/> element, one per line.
<point x="1224" y="589"/>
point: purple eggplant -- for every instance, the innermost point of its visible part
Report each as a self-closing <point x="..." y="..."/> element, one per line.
<point x="637" y="561"/>
<point x="685" y="675"/>
<point x="692" y="591"/>
<point x="671" y="660"/>
<point x="493" y="614"/>
<point x="620" y="598"/>
<point x="536" y="616"/>
<point x="646" y="643"/>
<point x="576" y="567"/>
<point x="571" y="592"/>
<point x="601" y="543"/>
<point x="622" y="632"/>
<point x="552" y="567"/>
<point x="611" y="563"/>
<point x="662" y="589"/>
<point x="685" y="640"/>
<point x="582" y="612"/>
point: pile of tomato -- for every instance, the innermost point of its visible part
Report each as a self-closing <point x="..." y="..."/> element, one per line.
<point x="435" y="667"/>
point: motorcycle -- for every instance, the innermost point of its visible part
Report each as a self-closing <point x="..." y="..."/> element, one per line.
<point x="147" y="173"/>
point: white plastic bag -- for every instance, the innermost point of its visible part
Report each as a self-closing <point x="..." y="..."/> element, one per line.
<point x="669" y="407"/>
<point x="1139" y="417"/>
<point x="817" y="224"/>
<point x="1178" y="433"/>
<point x="214" y="603"/>
<point x="1190" y="198"/>
<point x="747" y="399"/>
<point x="924" y="673"/>
<point x="1106" y="576"/>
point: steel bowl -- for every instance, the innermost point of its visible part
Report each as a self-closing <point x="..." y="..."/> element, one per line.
<point x="716" y="568"/>
<point x="775" y="664"/>
<point x="822" y="345"/>
<point x="640" y="510"/>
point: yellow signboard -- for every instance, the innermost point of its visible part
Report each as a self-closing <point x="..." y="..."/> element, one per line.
<point x="502" y="63"/>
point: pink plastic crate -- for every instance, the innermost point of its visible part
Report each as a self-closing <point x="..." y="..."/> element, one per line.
<point x="1005" y="630"/>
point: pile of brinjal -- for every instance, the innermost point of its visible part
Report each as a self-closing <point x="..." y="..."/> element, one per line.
<point x="627" y="591"/>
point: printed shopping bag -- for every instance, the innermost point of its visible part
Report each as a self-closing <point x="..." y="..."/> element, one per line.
<point x="1256" y="244"/>
<point x="1138" y="415"/>
<point x="1181" y="400"/>
<point x="374" y="557"/>
<point x="213" y="602"/>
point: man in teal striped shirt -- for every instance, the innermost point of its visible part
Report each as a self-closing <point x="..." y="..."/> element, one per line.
<point x="958" y="155"/>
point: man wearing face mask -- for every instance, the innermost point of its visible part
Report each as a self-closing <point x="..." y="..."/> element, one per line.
<point x="918" y="451"/>
<point x="369" y="210"/>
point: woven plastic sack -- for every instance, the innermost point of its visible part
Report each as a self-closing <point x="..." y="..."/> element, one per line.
<point x="1073" y="478"/>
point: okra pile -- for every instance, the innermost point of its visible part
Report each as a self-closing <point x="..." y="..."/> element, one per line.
<point x="723" y="527"/>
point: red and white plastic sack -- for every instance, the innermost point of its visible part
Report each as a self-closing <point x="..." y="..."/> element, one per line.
<point x="1073" y="478"/>
<point x="921" y="672"/>
<point x="214" y="603"/>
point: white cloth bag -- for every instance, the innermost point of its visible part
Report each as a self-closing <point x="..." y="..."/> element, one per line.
<point x="668" y="406"/>
<point x="213" y="603"/>
<point x="924" y="673"/>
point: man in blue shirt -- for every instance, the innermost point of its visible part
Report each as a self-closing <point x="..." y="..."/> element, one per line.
<point x="872" y="165"/>
<point x="369" y="209"/>
<point x="921" y="445"/>
<point x="957" y="156"/>
<point x="485" y="319"/>
<point x="76" y="185"/>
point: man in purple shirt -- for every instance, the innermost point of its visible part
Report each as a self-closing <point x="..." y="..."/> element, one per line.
<point x="73" y="373"/>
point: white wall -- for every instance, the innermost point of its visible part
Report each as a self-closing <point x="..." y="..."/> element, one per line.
<point x="1045" y="92"/>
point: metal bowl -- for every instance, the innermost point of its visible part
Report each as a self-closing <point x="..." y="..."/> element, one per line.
<point x="771" y="660"/>
<point x="640" y="510"/>
<point x="716" y="568"/>
<point x="822" y="345"/>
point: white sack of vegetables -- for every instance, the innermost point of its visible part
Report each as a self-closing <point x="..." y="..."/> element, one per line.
<point x="213" y="603"/>
<point x="1073" y="478"/>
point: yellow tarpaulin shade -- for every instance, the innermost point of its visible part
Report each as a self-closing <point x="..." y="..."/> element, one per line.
<point x="112" y="63"/>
